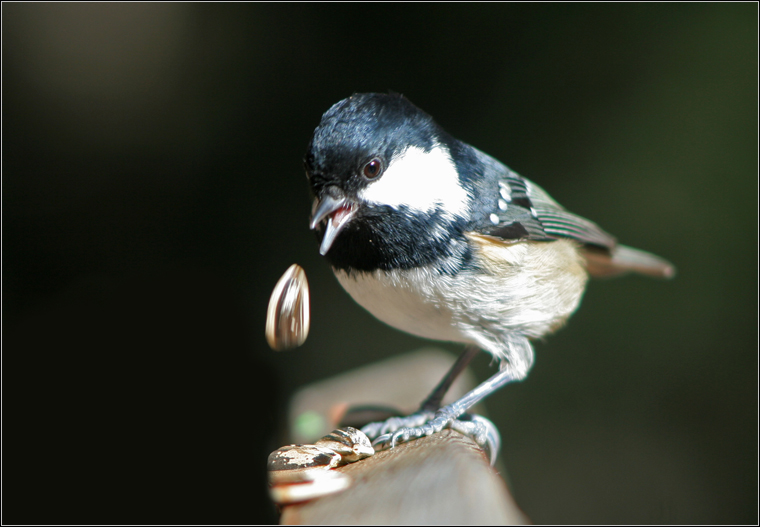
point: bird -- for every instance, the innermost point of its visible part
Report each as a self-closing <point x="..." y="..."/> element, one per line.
<point x="443" y="241"/>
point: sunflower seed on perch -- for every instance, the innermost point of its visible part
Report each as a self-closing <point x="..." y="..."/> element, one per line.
<point x="299" y="473"/>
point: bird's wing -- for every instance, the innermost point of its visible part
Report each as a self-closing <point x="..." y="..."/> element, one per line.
<point x="526" y="212"/>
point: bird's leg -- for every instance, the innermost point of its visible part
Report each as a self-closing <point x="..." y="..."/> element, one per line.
<point x="429" y="405"/>
<point x="433" y="401"/>
<point x="449" y="415"/>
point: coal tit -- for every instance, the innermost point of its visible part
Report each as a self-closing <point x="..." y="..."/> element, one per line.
<point x="438" y="239"/>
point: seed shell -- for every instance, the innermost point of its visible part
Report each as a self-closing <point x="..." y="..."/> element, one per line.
<point x="288" y="315"/>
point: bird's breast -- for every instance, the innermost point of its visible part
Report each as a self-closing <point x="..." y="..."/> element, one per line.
<point x="411" y="300"/>
<point x="527" y="288"/>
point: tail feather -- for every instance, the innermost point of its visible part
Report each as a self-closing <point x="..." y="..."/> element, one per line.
<point x="623" y="259"/>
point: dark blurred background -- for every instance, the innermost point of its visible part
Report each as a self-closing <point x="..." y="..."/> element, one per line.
<point x="153" y="193"/>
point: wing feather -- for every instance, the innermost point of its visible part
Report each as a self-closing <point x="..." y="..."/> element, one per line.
<point x="525" y="211"/>
<point x="532" y="214"/>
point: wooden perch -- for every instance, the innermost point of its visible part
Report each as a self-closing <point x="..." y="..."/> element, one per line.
<point x="441" y="479"/>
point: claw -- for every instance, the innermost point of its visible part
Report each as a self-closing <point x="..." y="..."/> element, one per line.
<point x="480" y="430"/>
<point x="381" y="443"/>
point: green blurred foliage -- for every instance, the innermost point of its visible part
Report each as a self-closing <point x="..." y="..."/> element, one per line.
<point x="153" y="193"/>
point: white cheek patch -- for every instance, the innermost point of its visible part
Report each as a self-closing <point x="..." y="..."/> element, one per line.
<point x="422" y="181"/>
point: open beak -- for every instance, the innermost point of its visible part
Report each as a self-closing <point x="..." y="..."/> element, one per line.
<point x="338" y="212"/>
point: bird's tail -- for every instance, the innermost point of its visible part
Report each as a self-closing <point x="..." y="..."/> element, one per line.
<point x="623" y="259"/>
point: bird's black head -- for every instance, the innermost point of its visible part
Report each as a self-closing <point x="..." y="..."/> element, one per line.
<point x="364" y="126"/>
<point x="388" y="194"/>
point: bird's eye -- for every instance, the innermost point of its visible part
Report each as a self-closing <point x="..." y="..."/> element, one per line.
<point x="373" y="168"/>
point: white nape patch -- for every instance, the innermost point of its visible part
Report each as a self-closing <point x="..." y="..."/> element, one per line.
<point x="422" y="181"/>
<point x="494" y="219"/>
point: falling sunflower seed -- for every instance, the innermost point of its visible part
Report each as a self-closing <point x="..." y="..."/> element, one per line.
<point x="288" y="312"/>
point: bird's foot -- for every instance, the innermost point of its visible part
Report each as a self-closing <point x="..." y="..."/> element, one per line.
<point x="389" y="426"/>
<point x="480" y="430"/>
<point x="407" y="432"/>
<point x="398" y="430"/>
